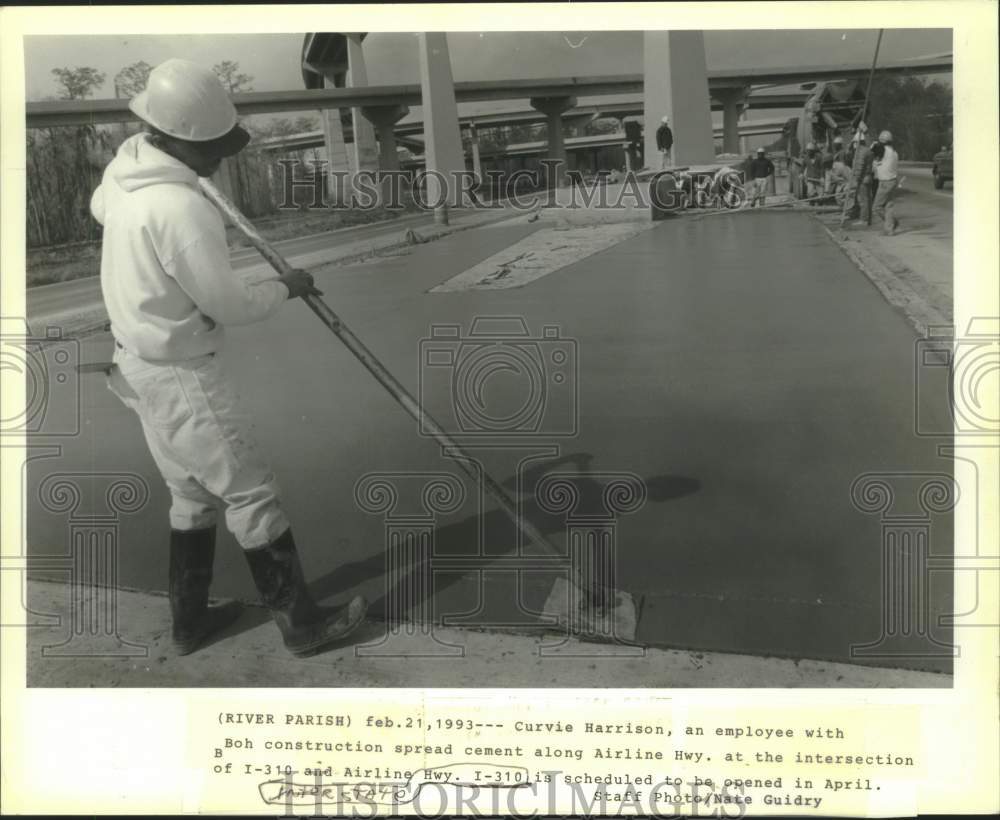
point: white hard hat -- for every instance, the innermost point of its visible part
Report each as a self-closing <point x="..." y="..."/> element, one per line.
<point x="811" y="146"/>
<point x="760" y="150"/>
<point x="885" y="136"/>
<point x="838" y="140"/>
<point x="665" y="119"/>
<point x="184" y="100"/>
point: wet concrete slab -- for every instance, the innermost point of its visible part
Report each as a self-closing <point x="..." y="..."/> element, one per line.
<point x="740" y="366"/>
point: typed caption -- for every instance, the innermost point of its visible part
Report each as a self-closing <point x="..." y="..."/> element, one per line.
<point x="374" y="762"/>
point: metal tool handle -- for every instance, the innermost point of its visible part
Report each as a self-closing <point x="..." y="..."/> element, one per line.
<point x="379" y="371"/>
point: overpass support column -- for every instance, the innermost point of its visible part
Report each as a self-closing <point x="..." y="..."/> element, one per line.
<point x="365" y="153"/>
<point x="336" y="153"/>
<point x="553" y="108"/>
<point x="442" y="138"/>
<point x="675" y="84"/>
<point x="477" y="162"/>
<point x="733" y="100"/>
<point x="384" y="118"/>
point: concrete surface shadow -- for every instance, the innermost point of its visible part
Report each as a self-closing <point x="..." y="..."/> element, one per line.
<point x="493" y="536"/>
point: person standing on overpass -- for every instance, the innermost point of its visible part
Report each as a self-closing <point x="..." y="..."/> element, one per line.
<point x="886" y="169"/>
<point x="664" y="142"/>
<point x="170" y="292"/>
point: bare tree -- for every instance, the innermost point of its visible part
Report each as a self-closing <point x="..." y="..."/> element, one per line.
<point x="132" y="79"/>
<point x="282" y="127"/>
<point x="78" y="83"/>
<point x="229" y="72"/>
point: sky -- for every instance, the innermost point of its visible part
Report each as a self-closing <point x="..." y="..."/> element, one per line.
<point x="273" y="59"/>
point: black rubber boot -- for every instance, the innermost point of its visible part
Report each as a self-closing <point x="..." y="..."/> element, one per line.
<point x="192" y="553"/>
<point x="305" y="626"/>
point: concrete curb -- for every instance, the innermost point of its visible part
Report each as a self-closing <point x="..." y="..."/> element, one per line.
<point x="251" y="654"/>
<point x="892" y="286"/>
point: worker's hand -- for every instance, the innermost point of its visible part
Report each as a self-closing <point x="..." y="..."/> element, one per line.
<point x="299" y="283"/>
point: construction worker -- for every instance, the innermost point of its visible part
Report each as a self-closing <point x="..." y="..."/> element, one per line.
<point x="839" y="154"/>
<point x="827" y="164"/>
<point x="840" y="180"/>
<point x="860" y="188"/>
<point x="170" y="291"/>
<point x="761" y="169"/>
<point x="664" y="142"/>
<point x="814" y="173"/>
<point x="885" y="165"/>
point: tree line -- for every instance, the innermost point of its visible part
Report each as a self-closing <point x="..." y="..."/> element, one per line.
<point x="65" y="164"/>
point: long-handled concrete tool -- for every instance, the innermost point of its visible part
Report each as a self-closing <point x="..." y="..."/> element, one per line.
<point x="600" y="612"/>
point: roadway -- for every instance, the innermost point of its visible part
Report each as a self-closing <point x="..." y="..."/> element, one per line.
<point x="62" y="297"/>
<point x="55" y="299"/>
<point x="920" y="181"/>
<point x="923" y="249"/>
<point x="740" y="365"/>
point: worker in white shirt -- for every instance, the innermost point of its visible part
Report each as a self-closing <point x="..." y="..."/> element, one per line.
<point x="170" y="290"/>
<point x="886" y="169"/>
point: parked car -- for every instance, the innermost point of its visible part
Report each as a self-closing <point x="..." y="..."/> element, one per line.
<point x="943" y="168"/>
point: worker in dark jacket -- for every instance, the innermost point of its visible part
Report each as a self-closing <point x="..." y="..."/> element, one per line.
<point x="860" y="187"/>
<point x="761" y="169"/>
<point x="664" y="142"/>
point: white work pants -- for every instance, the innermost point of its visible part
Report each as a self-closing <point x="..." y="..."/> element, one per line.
<point x="203" y="444"/>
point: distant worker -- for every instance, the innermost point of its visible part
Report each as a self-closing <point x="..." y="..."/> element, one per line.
<point x="725" y="188"/>
<point x="839" y="154"/>
<point x="170" y="291"/>
<point x="840" y="180"/>
<point x="813" y="172"/>
<point x="664" y="142"/>
<point x="860" y="190"/>
<point x="827" y="164"/>
<point x="761" y="169"/>
<point x="886" y="169"/>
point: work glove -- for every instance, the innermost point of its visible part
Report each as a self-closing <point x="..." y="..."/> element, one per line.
<point x="299" y="283"/>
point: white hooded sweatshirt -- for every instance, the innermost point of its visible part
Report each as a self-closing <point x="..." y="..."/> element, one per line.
<point x="168" y="286"/>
